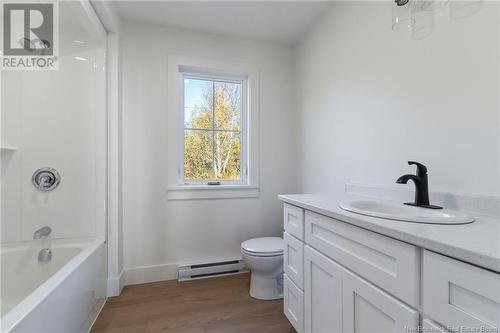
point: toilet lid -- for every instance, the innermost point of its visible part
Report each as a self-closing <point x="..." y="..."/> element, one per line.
<point x="263" y="245"/>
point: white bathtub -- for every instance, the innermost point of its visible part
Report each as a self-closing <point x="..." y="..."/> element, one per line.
<point x="63" y="295"/>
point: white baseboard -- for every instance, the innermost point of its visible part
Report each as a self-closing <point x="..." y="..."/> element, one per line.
<point x="115" y="284"/>
<point x="146" y="274"/>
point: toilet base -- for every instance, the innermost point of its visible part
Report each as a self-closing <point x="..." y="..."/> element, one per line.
<point x="266" y="288"/>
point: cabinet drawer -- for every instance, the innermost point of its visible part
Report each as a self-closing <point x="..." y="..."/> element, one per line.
<point x="293" y="219"/>
<point x="293" y="259"/>
<point x="386" y="262"/>
<point x="460" y="294"/>
<point x="293" y="304"/>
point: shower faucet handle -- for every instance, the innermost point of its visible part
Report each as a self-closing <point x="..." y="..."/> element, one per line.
<point x="46" y="179"/>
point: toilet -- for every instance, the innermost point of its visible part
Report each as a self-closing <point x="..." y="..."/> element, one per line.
<point x="264" y="257"/>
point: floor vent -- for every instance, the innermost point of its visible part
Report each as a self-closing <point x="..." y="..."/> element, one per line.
<point x="213" y="269"/>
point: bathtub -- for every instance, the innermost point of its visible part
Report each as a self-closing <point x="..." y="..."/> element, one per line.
<point x="63" y="295"/>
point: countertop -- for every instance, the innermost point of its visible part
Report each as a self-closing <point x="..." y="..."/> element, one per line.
<point x="477" y="243"/>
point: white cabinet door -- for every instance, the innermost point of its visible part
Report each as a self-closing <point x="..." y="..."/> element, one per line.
<point x="293" y="304"/>
<point x="322" y="293"/>
<point x="367" y="308"/>
<point x="293" y="259"/>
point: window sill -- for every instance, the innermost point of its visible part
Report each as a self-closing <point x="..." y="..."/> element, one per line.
<point x="195" y="192"/>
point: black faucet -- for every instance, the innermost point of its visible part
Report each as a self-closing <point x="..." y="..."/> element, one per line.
<point x="421" y="186"/>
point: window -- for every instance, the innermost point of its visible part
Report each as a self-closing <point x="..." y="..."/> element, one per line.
<point x="214" y="129"/>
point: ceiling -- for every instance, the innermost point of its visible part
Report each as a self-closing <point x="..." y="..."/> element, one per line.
<point x="280" y="21"/>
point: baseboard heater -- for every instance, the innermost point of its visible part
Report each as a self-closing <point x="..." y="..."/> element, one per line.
<point x="212" y="269"/>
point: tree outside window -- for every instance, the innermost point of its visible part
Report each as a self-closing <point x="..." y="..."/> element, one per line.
<point x="212" y="130"/>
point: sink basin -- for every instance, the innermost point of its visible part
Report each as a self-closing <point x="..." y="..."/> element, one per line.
<point x="401" y="212"/>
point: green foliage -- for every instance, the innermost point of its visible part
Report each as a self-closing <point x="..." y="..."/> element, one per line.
<point x="212" y="148"/>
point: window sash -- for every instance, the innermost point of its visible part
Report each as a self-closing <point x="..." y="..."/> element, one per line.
<point x="242" y="132"/>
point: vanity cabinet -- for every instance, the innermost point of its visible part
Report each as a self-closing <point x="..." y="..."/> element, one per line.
<point x="342" y="278"/>
<point x="322" y="271"/>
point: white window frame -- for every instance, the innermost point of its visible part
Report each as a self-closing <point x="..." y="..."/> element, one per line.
<point x="189" y="73"/>
<point x="178" y="190"/>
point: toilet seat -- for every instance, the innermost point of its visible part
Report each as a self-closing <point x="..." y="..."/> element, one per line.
<point x="254" y="254"/>
<point x="263" y="247"/>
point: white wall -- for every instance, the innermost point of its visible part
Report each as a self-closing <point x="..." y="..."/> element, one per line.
<point x="370" y="99"/>
<point x="56" y="119"/>
<point x="161" y="232"/>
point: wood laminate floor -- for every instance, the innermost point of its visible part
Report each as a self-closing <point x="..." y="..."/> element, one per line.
<point x="218" y="305"/>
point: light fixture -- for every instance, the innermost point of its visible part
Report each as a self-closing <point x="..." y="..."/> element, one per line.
<point x="418" y="15"/>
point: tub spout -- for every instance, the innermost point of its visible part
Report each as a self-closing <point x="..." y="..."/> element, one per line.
<point x="45" y="255"/>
